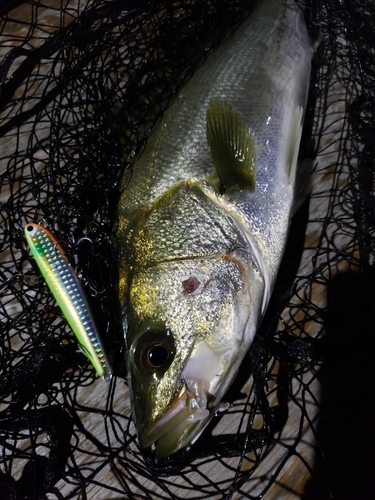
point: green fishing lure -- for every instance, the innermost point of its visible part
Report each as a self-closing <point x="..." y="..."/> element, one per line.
<point x="68" y="292"/>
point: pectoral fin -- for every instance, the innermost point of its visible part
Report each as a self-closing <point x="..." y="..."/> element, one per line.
<point x="232" y="147"/>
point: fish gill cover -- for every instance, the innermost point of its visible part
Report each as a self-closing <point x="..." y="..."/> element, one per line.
<point x="82" y="83"/>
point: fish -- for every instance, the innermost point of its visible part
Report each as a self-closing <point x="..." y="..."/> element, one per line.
<point x="68" y="293"/>
<point x="203" y="223"/>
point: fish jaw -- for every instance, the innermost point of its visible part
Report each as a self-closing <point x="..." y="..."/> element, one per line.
<point x="191" y="409"/>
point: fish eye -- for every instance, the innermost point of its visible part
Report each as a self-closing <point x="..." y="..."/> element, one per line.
<point x="153" y="351"/>
<point x="158" y="355"/>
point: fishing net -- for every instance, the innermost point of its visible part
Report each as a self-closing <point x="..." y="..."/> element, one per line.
<point x="82" y="83"/>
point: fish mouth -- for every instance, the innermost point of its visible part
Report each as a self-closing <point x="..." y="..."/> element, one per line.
<point x="184" y="411"/>
<point x="193" y="404"/>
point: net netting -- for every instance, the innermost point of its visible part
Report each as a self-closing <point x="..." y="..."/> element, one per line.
<point x="82" y="83"/>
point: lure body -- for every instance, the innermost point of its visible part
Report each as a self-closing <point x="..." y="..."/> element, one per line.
<point x="67" y="290"/>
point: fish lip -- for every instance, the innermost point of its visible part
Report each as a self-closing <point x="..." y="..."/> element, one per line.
<point x="189" y="406"/>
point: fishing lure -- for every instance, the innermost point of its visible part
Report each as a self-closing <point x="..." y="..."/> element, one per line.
<point x="67" y="290"/>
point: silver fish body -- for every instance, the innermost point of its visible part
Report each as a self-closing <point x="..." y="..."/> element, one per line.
<point x="198" y="255"/>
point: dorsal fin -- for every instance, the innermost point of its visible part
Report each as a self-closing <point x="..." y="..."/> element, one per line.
<point x="232" y="147"/>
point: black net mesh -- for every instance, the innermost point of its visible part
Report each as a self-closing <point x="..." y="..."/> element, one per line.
<point x="81" y="85"/>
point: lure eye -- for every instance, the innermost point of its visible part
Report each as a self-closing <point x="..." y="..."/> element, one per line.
<point x="153" y="351"/>
<point x="30" y="228"/>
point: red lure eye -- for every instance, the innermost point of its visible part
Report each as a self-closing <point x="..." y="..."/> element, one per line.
<point x="190" y="285"/>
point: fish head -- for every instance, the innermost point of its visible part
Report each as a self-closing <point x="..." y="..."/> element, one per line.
<point x="188" y="324"/>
